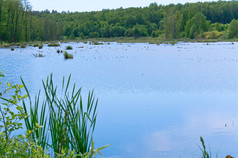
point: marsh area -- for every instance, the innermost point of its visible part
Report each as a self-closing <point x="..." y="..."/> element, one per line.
<point x="154" y="100"/>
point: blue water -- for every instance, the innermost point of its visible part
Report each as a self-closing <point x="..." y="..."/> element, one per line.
<point x="154" y="101"/>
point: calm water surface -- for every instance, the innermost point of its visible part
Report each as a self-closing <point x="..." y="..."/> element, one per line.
<point x="154" y="101"/>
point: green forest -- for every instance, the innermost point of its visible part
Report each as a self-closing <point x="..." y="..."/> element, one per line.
<point x="208" y="20"/>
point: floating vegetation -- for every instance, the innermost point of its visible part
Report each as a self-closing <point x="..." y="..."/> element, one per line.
<point x="69" y="48"/>
<point x="6" y="45"/>
<point x="68" y="56"/>
<point x="38" y="55"/>
<point x="173" y="42"/>
<point x="35" y="45"/>
<point x="40" y="46"/>
<point x="12" y="49"/>
<point x="23" y="46"/>
<point x="18" y="44"/>
<point x="96" y="43"/>
<point x="58" y="51"/>
<point x="53" y="45"/>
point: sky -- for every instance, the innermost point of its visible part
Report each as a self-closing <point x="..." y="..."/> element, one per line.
<point x="96" y="5"/>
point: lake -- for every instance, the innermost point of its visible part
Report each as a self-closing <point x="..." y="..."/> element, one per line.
<point x="154" y="100"/>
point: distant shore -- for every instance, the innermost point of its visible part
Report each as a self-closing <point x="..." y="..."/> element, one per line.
<point x="97" y="41"/>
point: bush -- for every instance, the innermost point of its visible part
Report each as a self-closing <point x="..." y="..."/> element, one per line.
<point x="213" y="35"/>
<point x="69" y="48"/>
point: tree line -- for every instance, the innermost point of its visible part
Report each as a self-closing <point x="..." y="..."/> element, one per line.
<point x="210" y="20"/>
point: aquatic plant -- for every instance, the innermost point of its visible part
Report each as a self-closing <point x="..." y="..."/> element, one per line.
<point x="69" y="48"/>
<point x="68" y="56"/>
<point x="68" y="125"/>
<point x="38" y="55"/>
<point x="40" y="46"/>
<point x="5" y="45"/>
<point x="204" y="150"/>
<point x="53" y="45"/>
<point x="35" y="142"/>
<point x="58" y="51"/>
<point x="96" y="43"/>
<point x="23" y="46"/>
<point x="12" y="49"/>
<point x="35" y="45"/>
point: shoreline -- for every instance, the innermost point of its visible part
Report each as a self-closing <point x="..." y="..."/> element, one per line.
<point x="97" y="41"/>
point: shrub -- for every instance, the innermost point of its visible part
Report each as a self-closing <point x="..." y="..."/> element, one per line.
<point x="69" y="48"/>
<point x="212" y="35"/>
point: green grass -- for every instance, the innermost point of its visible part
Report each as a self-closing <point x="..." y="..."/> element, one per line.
<point x="204" y="151"/>
<point x="68" y="55"/>
<point x="61" y="120"/>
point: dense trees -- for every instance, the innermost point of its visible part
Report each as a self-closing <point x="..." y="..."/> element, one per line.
<point x="233" y="29"/>
<point x="192" y="20"/>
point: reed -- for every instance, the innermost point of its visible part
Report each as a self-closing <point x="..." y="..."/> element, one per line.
<point x="68" y="55"/>
<point x="204" y="150"/>
<point x="61" y="120"/>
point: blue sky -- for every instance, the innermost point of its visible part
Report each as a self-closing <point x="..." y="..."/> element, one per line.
<point x="95" y="5"/>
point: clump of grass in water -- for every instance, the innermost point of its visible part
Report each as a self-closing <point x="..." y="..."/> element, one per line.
<point x="35" y="45"/>
<point x="96" y="43"/>
<point x="40" y="46"/>
<point x="38" y="55"/>
<point x="69" y="48"/>
<point x="68" y="56"/>
<point x="12" y="49"/>
<point x="23" y="46"/>
<point x="67" y="125"/>
<point x="53" y="45"/>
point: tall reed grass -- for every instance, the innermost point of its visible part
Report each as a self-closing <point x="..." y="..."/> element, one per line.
<point x="59" y="120"/>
